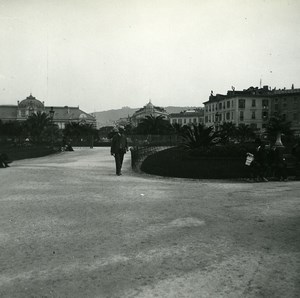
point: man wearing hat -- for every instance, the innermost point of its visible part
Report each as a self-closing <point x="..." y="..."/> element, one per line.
<point x="119" y="147"/>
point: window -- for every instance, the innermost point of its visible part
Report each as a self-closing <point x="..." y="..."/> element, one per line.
<point x="253" y="115"/>
<point x="180" y="121"/>
<point x="242" y="103"/>
<point x="184" y="121"/>
<point x="209" y="108"/>
<point x="190" y="120"/>
<point x="242" y="115"/>
<point x="228" y="116"/>
<point x="265" y="115"/>
<point x="265" y="103"/>
<point x="284" y="105"/>
<point x="228" y="104"/>
<point x="224" y="105"/>
<point x="206" y="119"/>
<point x="220" y="106"/>
<point x="253" y="103"/>
<point x="213" y="107"/>
<point x="195" y="120"/>
<point x="23" y="113"/>
<point x="253" y="125"/>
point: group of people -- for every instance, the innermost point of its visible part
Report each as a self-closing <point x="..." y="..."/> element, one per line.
<point x="267" y="162"/>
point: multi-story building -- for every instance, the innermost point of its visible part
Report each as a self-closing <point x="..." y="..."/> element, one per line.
<point x="188" y="117"/>
<point x="30" y="105"/>
<point x="148" y="110"/>
<point x="286" y="102"/>
<point x="253" y="106"/>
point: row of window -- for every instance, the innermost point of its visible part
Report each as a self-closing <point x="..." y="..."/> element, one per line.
<point x="228" y="105"/>
<point x="230" y="116"/>
<point x="184" y="121"/>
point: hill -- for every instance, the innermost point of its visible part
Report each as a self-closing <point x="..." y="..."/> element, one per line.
<point x="108" y="118"/>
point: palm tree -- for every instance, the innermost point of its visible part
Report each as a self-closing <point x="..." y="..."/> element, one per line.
<point x="37" y="126"/>
<point x="227" y="131"/>
<point x="197" y="136"/>
<point x="278" y="126"/>
<point x="78" y="131"/>
<point x="177" y="128"/>
<point x="153" y="125"/>
<point x="245" y="132"/>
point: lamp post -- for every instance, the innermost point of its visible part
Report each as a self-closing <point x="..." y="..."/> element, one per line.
<point x="51" y="113"/>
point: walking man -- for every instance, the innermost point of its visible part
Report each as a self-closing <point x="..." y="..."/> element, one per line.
<point x="118" y="148"/>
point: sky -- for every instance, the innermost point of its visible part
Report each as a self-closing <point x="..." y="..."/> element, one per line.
<point x="108" y="54"/>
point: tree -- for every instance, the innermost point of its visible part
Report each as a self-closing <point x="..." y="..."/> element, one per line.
<point x="78" y="131"/>
<point x="245" y="132"/>
<point x="177" y="128"/>
<point x="153" y="125"/>
<point x="227" y="131"/>
<point x="197" y="136"/>
<point x="37" y="125"/>
<point x="278" y="126"/>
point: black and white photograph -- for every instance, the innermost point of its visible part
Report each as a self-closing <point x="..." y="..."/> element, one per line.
<point x="149" y="148"/>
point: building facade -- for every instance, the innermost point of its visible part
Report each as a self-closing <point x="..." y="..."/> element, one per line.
<point x="31" y="105"/>
<point x="148" y="110"/>
<point x="253" y="107"/>
<point x="188" y="117"/>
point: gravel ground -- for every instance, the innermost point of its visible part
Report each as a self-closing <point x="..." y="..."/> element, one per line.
<point x="70" y="228"/>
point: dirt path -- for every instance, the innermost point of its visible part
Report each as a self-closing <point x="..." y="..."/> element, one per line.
<point x="70" y="228"/>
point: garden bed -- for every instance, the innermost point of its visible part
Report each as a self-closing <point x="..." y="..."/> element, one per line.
<point x="176" y="162"/>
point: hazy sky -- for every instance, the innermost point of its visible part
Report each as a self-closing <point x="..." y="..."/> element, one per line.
<point x="104" y="55"/>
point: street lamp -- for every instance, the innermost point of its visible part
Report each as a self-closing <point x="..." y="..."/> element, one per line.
<point x="51" y="113"/>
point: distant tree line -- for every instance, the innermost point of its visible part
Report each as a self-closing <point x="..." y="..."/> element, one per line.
<point x="40" y="129"/>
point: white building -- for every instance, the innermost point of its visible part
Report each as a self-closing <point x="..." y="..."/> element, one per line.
<point x="188" y="117"/>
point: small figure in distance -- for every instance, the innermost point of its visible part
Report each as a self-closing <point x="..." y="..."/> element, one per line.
<point x="68" y="147"/>
<point x="119" y="147"/>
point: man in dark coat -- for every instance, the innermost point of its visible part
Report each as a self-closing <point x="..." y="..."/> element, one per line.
<point x="118" y="148"/>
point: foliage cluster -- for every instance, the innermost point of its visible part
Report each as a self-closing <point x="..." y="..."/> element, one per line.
<point x="40" y="129"/>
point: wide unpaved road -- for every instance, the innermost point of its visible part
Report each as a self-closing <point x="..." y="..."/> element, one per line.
<point x="71" y="228"/>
